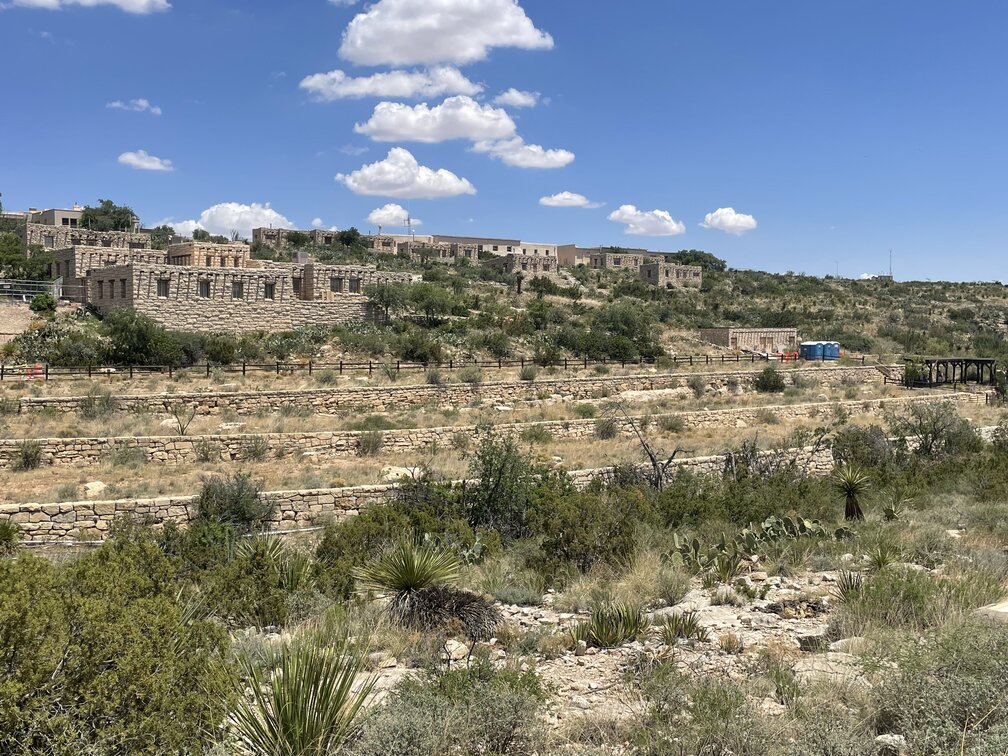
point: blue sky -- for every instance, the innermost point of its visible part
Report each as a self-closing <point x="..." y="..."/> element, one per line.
<point x="833" y="130"/>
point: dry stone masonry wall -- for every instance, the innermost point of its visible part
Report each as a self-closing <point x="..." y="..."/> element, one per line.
<point x="383" y="398"/>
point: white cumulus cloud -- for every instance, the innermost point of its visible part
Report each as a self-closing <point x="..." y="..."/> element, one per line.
<point x="399" y="175"/>
<point x="517" y="98"/>
<point x="226" y="217"/>
<point x="727" y="220"/>
<point x="391" y="215"/>
<point x="647" y="222"/>
<point x="142" y="161"/>
<point x="516" y="152"/>
<point x="130" y="6"/>
<point x="317" y="223"/>
<point x="139" y="105"/>
<point x="459" y="117"/>
<point x="433" y="82"/>
<point x="568" y="199"/>
<point x="410" y="32"/>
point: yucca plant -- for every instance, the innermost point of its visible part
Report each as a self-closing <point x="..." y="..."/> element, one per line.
<point x="402" y="572"/>
<point x="848" y="586"/>
<point x="683" y="625"/>
<point x="895" y="505"/>
<point x="10" y="534"/>
<point x="726" y="567"/>
<point x="308" y="706"/>
<point x="611" y="625"/>
<point x="851" y="482"/>
<point x="883" y="554"/>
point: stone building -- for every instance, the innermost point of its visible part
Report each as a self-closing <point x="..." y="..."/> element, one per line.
<point x="73" y="264"/>
<point x="445" y="252"/>
<point x="61" y="237"/>
<point x="268" y="297"/>
<point x="209" y="255"/>
<point x="571" y="255"/>
<point x="483" y="244"/>
<point x="671" y="275"/>
<point x="753" y="339"/>
<point x="529" y="266"/>
<point x="617" y="259"/>
<point x="277" y="238"/>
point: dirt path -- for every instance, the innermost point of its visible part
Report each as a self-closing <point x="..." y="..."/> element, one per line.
<point x="14" y="319"/>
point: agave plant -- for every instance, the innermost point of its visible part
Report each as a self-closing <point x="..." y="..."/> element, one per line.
<point x="848" y="586"/>
<point x="883" y="554"/>
<point x="851" y="482"/>
<point x="895" y="505"/>
<point x="683" y="625"/>
<point x="611" y="625"/>
<point x="310" y="704"/>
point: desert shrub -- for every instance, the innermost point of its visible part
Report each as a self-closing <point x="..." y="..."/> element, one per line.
<point x="581" y="530"/>
<point x="536" y="434"/>
<point x="585" y="410"/>
<point x="10" y="534"/>
<point x="936" y="430"/>
<point x="234" y="500"/>
<point x="698" y="385"/>
<point x="528" y="373"/>
<point x="101" y="656"/>
<point x="254" y="449"/>
<point x="671" y="423"/>
<point x="682" y="626"/>
<point x="206" y="450"/>
<point x="672" y="585"/>
<point x="43" y="304"/>
<point x="412" y="722"/>
<point x="606" y="428"/>
<point x="370" y="443"/>
<point x="127" y="456"/>
<point x="9" y="406"/>
<point x="97" y="403"/>
<point x="769" y="381"/>
<point x="433" y="377"/>
<point x="327" y="377"/>
<point x="611" y="625"/>
<point x="867" y="447"/>
<point x="947" y="693"/>
<point x="471" y="374"/>
<point x="27" y="455"/>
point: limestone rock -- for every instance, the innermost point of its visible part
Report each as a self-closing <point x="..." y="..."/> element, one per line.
<point x="456" y="651"/>
<point x="813" y="639"/>
<point x="853" y="645"/>
<point x="93" y="489"/>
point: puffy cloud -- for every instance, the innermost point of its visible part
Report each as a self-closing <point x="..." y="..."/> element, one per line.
<point x="399" y="175"/>
<point x="516" y="98"/>
<point x="353" y="149"/>
<point x="647" y="222"/>
<point x="145" y="162"/>
<point x="727" y="220"/>
<point x="137" y="106"/>
<point x="410" y="32"/>
<point x="391" y="215"/>
<point x="130" y="6"/>
<point x="568" y="199"/>
<point x="317" y="223"/>
<point x="459" y="117"/>
<point x="516" y="152"/>
<point x="434" y="82"/>
<point x="226" y="217"/>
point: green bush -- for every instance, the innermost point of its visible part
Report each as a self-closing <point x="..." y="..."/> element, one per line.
<point x="413" y="720"/>
<point x="98" y="403"/>
<point x="254" y="449"/>
<point x="585" y="411"/>
<point x="10" y="534"/>
<point x="43" y="304"/>
<point x="471" y="374"/>
<point x="606" y="428"/>
<point x="234" y="500"/>
<point x="528" y="373"/>
<point x="101" y="656"/>
<point x="671" y="423"/>
<point x="769" y="381"/>
<point x="611" y="625"/>
<point x="9" y="406"/>
<point x="28" y="455"/>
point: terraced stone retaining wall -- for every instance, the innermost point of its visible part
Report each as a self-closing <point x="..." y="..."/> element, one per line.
<point x="328" y="445"/>
<point x="383" y="398"/>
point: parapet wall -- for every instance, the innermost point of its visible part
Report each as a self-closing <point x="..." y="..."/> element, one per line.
<point x="382" y="398"/>
<point x="328" y="445"/>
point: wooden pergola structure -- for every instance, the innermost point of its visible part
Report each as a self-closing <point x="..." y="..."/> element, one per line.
<point x="940" y="371"/>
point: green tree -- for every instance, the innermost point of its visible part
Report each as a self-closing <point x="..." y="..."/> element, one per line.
<point x="108" y="216"/>
<point x="389" y="296"/>
<point x="200" y="234"/>
<point x="705" y="260"/>
<point x="433" y="302"/>
<point x="43" y="304"/>
<point x="139" y="340"/>
<point x="161" y="236"/>
<point x="297" y="239"/>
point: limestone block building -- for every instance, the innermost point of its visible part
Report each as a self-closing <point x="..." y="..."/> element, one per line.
<point x="753" y="339"/>
<point x="529" y="266"/>
<point x="668" y="275"/>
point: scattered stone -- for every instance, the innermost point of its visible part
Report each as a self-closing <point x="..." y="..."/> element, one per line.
<point x="383" y="659"/>
<point x="832" y="667"/>
<point x="580" y="702"/>
<point x="741" y="424"/>
<point x="503" y="408"/>
<point x="94" y="488"/>
<point x="455" y="650"/>
<point x="813" y="640"/>
<point x="853" y="645"/>
<point x="997" y="611"/>
<point x="395" y="473"/>
<point x="581" y="649"/>
<point x="955" y="533"/>
<point x="891" y="745"/>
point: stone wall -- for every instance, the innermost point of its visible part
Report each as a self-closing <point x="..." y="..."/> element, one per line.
<point x="668" y="275"/>
<point x="382" y="398"/>
<point x="91" y="520"/>
<point x="60" y="237"/>
<point x="329" y="445"/>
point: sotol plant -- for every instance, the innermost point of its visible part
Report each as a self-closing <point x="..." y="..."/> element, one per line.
<point x="611" y="625"/>
<point x="852" y="483"/>
<point x="683" y="625"/>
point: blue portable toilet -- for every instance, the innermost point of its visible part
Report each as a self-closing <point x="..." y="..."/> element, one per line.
<point x="811" y="350"/>
<point x="831" y="350"/>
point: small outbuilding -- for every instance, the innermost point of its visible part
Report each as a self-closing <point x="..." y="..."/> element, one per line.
<point x="753" y="339"/>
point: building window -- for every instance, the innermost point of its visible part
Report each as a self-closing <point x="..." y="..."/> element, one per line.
<point x="297" y="286"/>
<point x="223" y="262"/>
<point x="66" y="221"/>
<point x="162" y="287"/>
<point x="101" y="290"/>
<point x="47" y="242"/>
<point x="237" y="262"/>
<point x="355" y="286"/>
<point x="617" y="260"/>
<point x="207" y="261"/>
<point x="336" y="285"/>
<point x="73" y="223"/>
<point x="494" y="247"/>
<point x="122" y="286"/>
<point x="204" y="289"/>
<point x="237" y="290"/>
<point x="269" y="291"/>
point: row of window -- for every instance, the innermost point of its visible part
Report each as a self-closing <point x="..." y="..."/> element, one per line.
<point x="237" y="287"/>
<point x="336" y="284"/>
<point x="100" y="286"/>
